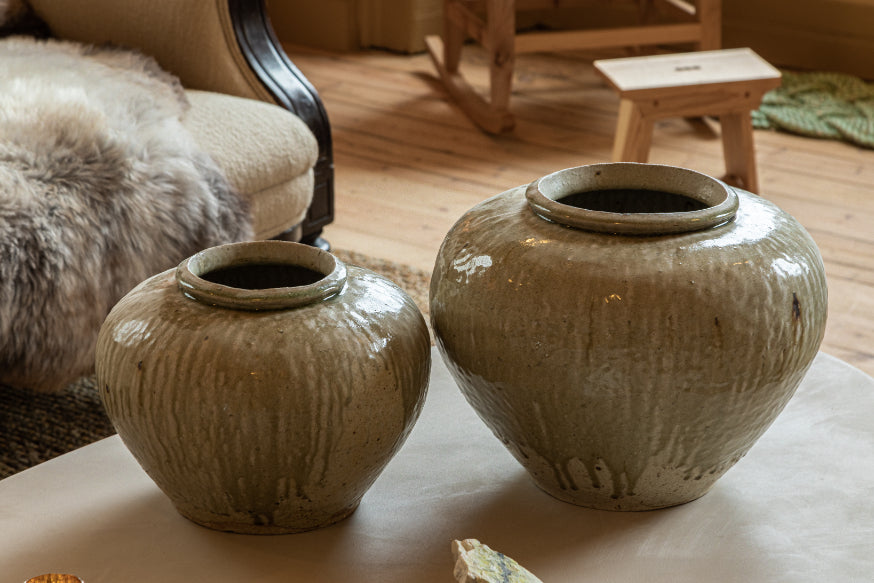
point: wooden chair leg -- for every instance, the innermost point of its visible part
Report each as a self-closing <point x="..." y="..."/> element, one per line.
<point x="453" y="38"/>
<point x="646" y="11"/>
<point x="739" y="150"/>
<point x="709" y="14"/>
<point x="646" y="16"/>
<point x="633" y="134"/>
<point x="497" y="34"/>
<point x="500" y="40"/>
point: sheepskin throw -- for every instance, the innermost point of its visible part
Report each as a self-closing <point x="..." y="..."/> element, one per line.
<point x="100" y="188"/>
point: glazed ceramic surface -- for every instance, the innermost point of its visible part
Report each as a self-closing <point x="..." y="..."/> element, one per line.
<point x="628" y="359"/>
<point x="270" y="405"/>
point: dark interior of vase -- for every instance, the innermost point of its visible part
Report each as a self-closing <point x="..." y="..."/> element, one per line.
<point x="263" y="276"/>
<point x="632" y="200"/>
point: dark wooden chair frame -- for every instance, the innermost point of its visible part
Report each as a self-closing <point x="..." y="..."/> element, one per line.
<point x="293" y="91"/>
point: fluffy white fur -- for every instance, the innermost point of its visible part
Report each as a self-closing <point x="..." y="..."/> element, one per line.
<point x="100" y="188"/>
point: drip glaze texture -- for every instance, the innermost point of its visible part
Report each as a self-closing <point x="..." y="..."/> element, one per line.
<point x="630" y="370"/>
<point x="264" y="410"/>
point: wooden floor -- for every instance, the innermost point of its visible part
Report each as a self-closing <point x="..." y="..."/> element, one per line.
<point x="408" y="164"/>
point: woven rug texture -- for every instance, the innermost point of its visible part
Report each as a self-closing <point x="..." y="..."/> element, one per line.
<point x="833" y="106"/>
<point x="37" y="427"/>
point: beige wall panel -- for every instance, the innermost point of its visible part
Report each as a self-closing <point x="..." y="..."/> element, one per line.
<point x="825" y="35"/>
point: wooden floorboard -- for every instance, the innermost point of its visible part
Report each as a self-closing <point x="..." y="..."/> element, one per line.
<point x="408" y="164"/>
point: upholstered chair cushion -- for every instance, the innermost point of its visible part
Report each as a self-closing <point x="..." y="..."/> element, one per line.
<point x="266" y="153"/>
<point x="193" y="39"/>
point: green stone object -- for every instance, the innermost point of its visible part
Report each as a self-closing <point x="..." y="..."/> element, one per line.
<point x="477" y="563"/>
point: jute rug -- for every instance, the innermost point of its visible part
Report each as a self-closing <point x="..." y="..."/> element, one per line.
<point x="821" y="105"/>
<point x="37" y="427"/>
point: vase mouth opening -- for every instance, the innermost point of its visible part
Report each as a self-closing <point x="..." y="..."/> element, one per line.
<point x="632" y="198"/>
<point x="261" y="275"/>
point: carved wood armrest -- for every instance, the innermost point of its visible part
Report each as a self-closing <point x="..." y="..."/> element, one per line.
<point x="291" y="89"/>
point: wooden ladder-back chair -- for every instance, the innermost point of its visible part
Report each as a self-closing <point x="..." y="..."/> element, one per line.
<point x="492" y="24"/>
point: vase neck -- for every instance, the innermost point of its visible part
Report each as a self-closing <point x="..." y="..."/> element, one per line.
<point x="632" y="199"/>
<point x="261" y="275"/>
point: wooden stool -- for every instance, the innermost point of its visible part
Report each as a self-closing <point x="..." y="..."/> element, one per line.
<point x="729" y="84"/>
<point x="492" y="23"/>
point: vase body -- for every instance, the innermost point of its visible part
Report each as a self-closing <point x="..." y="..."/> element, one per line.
<point x="628" y="346"/>
<point x="264" y="386"/>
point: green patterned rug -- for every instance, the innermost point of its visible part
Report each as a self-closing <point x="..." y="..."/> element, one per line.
<point x="821" y="105"/>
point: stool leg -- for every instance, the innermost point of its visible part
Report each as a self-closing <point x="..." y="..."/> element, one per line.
<point x="633" y="134"/>
<point x="739" y="150"/>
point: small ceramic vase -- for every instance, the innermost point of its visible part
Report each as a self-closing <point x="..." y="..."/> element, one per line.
<point x="264" y="386"/>
<point x="628" y="331"/>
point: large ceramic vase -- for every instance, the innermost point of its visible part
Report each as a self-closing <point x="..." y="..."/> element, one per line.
<point x="264" y="386"/>
<point x="628" y="331"/>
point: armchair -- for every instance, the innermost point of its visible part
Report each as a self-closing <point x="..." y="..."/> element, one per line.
<point x="75" y="239"/>
<point x="222" y="51"/>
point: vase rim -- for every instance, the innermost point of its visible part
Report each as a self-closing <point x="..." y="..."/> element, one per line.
<point x="721" y="200"/>
<point x="287" y="253"/>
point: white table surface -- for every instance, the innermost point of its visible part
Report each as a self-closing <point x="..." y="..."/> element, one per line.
<point x="799" y="507"/>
